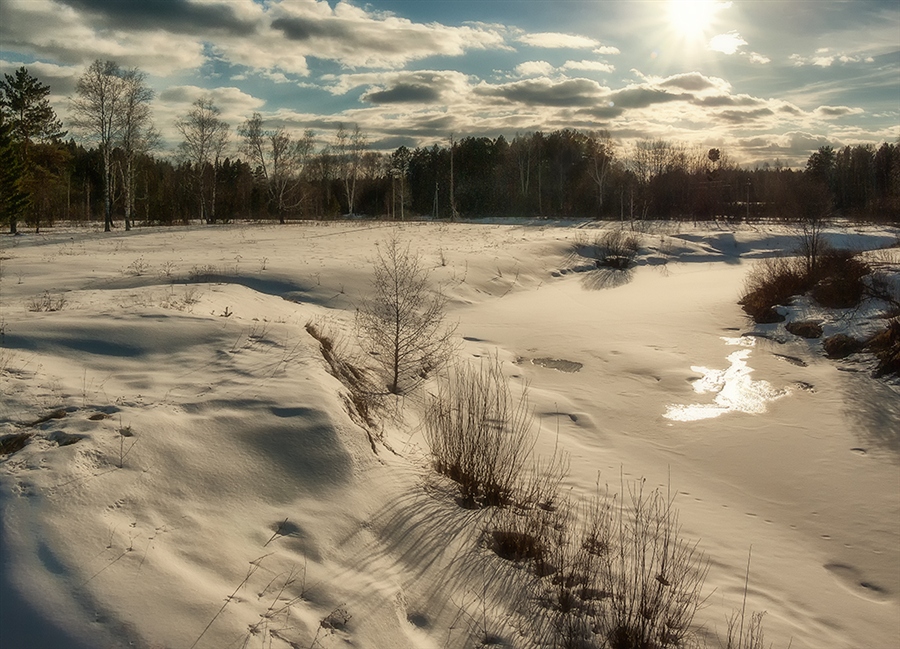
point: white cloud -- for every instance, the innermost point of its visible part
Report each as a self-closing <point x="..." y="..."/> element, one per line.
<point x="595" y="66"/>
<point x="534" y="69"/>
<point x="420" y="86"/>
<point x="824" y="58"/>
<point x="556" y="40"/>
<point x="275" y="76"/>
<point x="277" y="36"/>
<point x="727" y="43"/>
<point x="357" y="38"/>
<point x="756" y="57"/>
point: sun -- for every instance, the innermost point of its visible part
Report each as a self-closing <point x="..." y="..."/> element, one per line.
<point x="692" y="19"/>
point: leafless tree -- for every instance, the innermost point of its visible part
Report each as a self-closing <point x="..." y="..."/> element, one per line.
<point x="136" y="132"/>
<point x="205" y="137"/>
<point x="600" y="154"/>
<point x="811" y="242"/>
<point x="280" y="158"/>
<point x="399" y="170"/>
<point x="96" y="111"/>
<point x="348" y="151"/>
<point x="402" y="323"/>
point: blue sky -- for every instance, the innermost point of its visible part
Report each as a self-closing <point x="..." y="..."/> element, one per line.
<point x="761" y="80"/>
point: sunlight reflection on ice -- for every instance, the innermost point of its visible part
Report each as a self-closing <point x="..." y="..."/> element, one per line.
<point x="734" y="389"/>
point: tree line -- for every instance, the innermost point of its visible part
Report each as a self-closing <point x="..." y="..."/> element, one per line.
<point x="113" y="171"/>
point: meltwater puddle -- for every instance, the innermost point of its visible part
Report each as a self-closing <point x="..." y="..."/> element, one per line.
<point x="734" y="390"/>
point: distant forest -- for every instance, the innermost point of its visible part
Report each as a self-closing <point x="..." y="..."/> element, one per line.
<point x="110" y="173"/>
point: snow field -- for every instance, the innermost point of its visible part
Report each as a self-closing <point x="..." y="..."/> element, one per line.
<point x="243" y="505"/>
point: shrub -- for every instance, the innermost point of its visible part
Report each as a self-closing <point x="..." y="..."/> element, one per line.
<point x="841" y="346"/>
<point x="616" y="248"/>
<point x="47" y="302"/>
<point x="14" y="442"/>
<point x="770" y="283"/>
<point x="656" y="576"/>
<point x="886" y="346"/>
<point x="622" y="577"/>
<point x="839" y="279"/>
<point x="479" y="434"/>
<point x="835" y="281"/>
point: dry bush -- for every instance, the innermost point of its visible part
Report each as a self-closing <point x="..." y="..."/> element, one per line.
<point x="514" y="535"/>
<point x="480" y="436"/>
<point x="835" y="280"/>
<point x="770" y="283"/>
<point x="657" y="577"/>
<point x="838" y="279"/>
<point x="616" y="248"/>
<point x="886" y="346"/>
<point x="841" y="346"/>
<point x="47" y="302"/>
<point x="619" y="577"/>
<point x="745" y="634"/>
<point x="137" y="268"/>
<point x="362" y="400"/>
<point x="14" y="442"/>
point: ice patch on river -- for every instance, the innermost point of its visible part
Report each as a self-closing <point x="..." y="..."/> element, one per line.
<point x="734" y="389"/>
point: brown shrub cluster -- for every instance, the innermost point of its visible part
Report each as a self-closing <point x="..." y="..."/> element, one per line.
<point x="835" y="281"/>
<point x="770" y="283"/>
<point x="886" y="346"/>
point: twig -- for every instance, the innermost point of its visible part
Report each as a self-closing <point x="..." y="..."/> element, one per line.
<point x="254" y="566"/>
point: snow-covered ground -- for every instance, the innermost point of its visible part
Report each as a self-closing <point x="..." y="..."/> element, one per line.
<point x="243" y="507"/>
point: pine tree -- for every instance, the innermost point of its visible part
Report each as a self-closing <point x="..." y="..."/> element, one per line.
<point x="13" y="201"/>
<point x="30" y="120"/>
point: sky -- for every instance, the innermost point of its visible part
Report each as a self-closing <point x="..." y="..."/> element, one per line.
<point x="764" y="81"/>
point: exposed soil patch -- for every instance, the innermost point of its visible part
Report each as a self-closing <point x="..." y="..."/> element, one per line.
<point x="56" y="414"/>
<point x="793" y="360"/>
<point x="64" y="439"/>
<point x="9" y="444"/>
<point x="559" y="364"/>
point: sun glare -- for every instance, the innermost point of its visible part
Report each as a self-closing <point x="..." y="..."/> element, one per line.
<point x="693" y="18"/>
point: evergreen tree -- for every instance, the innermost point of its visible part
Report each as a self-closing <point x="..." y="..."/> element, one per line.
<point x="28" y="110"/>
<point x="31" y="120"/>
<point x="13" y="201"/>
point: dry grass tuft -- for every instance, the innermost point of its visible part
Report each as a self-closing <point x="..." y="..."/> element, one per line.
<point x="362" y="400"/>
<point x="479" y="434"/>
<point x="47" y="302"/>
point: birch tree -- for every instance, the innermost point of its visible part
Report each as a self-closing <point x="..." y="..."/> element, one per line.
<point x="204" y="138"/>
<point x="281" y="159"/>
<point x="137" y="135"/>
<point x="348" y="150"/>
<point x="95" y="111"/>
